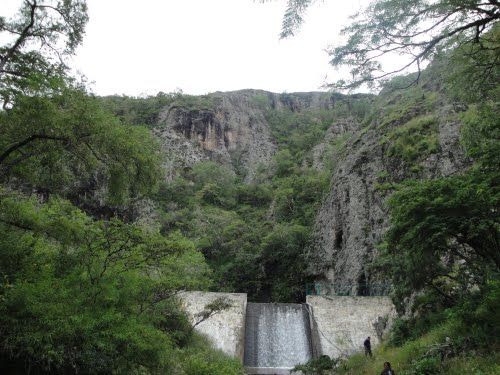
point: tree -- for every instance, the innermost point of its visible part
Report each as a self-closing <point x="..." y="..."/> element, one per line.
<point x="89" y="296"/>
<point x="417" y="30"/>
<point x="38" y="39"/>
<point x="68" y="144"/>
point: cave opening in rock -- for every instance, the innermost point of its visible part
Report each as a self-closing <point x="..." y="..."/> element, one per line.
<point x="338" y="239"/>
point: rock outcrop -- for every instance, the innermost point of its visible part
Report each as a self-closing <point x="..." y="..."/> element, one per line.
<point x="231" y="129"/>
<point x="353" y="217"/>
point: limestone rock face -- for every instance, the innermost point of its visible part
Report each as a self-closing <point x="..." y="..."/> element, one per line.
<point x="232" y="130"/>
<point x="353" y="217"/>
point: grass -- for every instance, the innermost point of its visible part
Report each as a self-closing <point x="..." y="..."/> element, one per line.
<point x="399" y="106"/>
<point x="477" y="365"/>
<point x="414" y="140"/>
<point x="407" y="359"/>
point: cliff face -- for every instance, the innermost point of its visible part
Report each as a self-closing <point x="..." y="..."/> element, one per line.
<point x="230" y="129"/>
<point x="407" y="135"/>
<point x="353" y="217"/>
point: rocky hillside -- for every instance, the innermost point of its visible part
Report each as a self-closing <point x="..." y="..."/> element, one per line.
<point x="414" y="134"/>
<point x="228" y="128"/>
<point x="362" y="143"/>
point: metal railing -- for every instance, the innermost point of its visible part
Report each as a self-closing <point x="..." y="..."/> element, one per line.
<point x="347" y="289"/>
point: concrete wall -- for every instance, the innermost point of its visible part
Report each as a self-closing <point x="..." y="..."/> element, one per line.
<point x="340" y="324"/>
<point x="225" y="329"/>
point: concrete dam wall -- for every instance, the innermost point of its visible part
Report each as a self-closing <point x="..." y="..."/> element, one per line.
<point x="277" y="337"/>
<point x="226" y="330"/>
<point x="271" y="338"/>
<point x="340" y="324"/>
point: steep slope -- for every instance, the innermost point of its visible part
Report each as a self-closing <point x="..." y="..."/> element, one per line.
<point x="229" y="128"/>
<point x="282" y="146"/>
<point x="410" y="134"/>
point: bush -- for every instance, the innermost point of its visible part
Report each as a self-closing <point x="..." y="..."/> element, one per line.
<point x="317" y="366"/>
<point x="424" y="366"/>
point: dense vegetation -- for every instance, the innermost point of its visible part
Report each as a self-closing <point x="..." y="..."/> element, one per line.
<point x="86" y="288"/>
<point x="255" y="235"/>
<point x="441" y="252"/>
<point x="83" y="287"/>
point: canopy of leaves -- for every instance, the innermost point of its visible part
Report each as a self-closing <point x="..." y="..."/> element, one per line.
<point x="416" y="30"/>
<point x="83" y="295"/>
<point x="37" y="39"/>
<point x="68" y="145"/>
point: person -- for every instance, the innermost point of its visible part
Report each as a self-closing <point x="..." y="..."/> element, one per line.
<point x="387" y="369"/>
<point x="368" y="347"/>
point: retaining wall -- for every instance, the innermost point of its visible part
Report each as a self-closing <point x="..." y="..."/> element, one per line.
<point x="225" y="329"/>
<point x="340" y="324"/>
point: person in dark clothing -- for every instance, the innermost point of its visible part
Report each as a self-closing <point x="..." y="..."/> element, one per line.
<point x="368" y="347"/>
<point x="387" y="369"/>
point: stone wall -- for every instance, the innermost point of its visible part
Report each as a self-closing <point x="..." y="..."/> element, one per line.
<point x="225" y="329"/>
<point x="340" y="324"/>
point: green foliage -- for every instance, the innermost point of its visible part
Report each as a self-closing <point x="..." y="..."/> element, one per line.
<point x="400" y="106"/>
<point x="481" y="134"/>
<point x="414" y="140"/>
<point x="199" y="359"/>
<point x="317" y="366"/>
<point x="297" y="197"/>
<point x="255" y="195"/>
<point x="471" y="72"/>
<point x="94" y="296"/>
<point x="137" y="110"/>
<point x="298" y="131"/>
<point x="62" y="144"/>
<point x="406" y="329"/>
<point x="284" y="163"/>
<point x="283" y="260"/>
<point x="35" y="42"/>
<point x="425" y="365"/>
<point x="194" y="102"/>
<point x="146" y="110"/>
<point x="261" y="100"/>
<point x="418" y="30"/>
<point x="448" y="217"/>
<point x="215" y="184"/>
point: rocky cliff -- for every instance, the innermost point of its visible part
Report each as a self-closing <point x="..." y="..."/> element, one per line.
<point x="371" y="145"/>
<point x="228" y="128"/>
<point x="407" y="137"/>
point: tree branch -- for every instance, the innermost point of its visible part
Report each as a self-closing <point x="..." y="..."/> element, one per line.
<point x="22" y="37"/>
<point x="26" y="141"/>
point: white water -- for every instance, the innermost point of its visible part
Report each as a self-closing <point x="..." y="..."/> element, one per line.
<point x="277" y="335"/>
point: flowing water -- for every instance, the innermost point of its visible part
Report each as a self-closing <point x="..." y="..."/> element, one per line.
<point x="277" y="335"/>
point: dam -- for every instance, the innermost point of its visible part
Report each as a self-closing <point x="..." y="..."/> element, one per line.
<point x="277" y="337"/>
<point x="271" y="338"/>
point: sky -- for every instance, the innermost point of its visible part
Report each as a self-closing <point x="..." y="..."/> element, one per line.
<point x="199" y="46"/>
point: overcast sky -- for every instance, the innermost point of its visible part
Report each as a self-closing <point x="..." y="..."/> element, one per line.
<point x="199" y="46"/>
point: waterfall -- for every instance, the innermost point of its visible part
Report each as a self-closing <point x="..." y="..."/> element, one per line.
<point x="277" y="335"/>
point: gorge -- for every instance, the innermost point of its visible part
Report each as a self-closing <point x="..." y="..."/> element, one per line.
<point x="249" y="231"/>
<point x="353" y="148"/>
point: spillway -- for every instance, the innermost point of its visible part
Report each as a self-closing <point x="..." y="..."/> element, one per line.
<point x="277" y="337"/>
